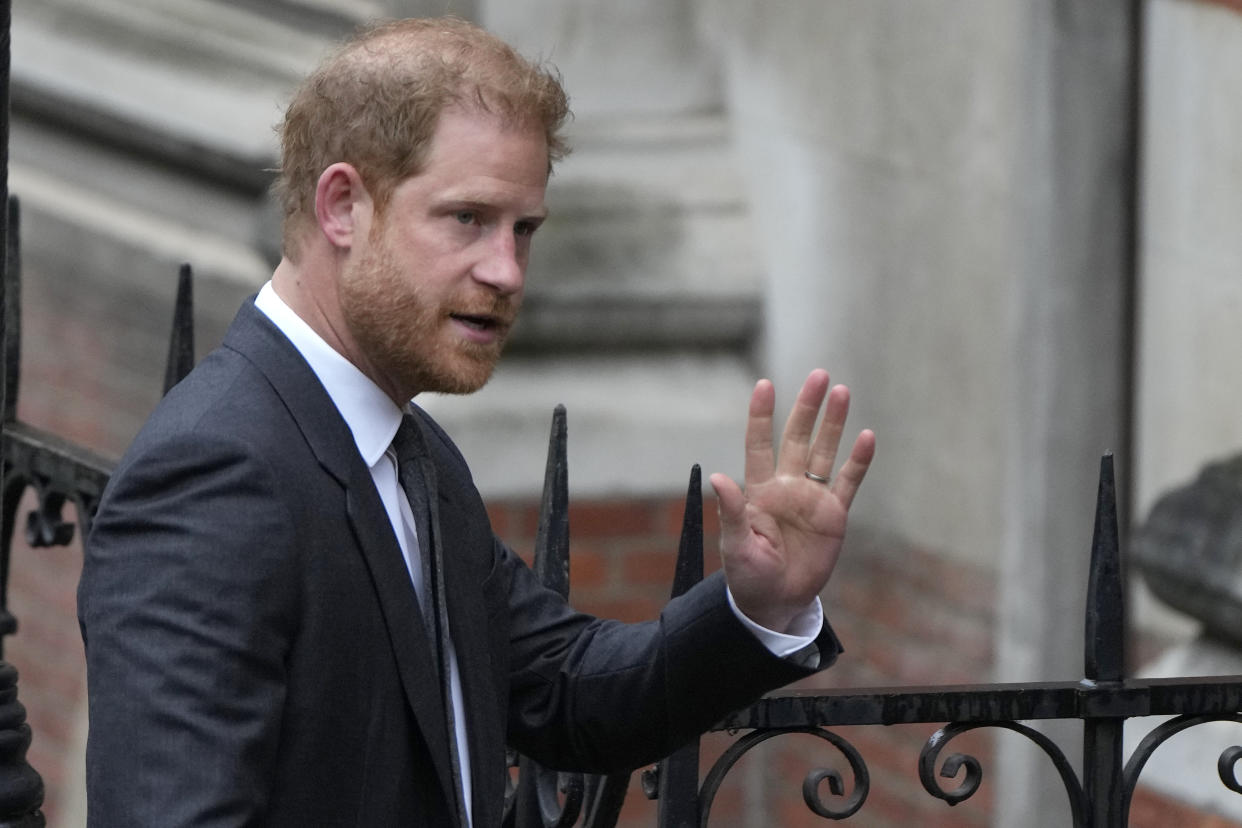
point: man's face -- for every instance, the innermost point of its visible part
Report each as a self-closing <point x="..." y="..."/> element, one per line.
<point x="430" y="293"/>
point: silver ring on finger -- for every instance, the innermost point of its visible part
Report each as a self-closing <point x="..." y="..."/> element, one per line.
<point x="817" y="478"/>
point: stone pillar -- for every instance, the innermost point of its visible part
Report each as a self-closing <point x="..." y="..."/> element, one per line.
<point x="1069" y="323"/>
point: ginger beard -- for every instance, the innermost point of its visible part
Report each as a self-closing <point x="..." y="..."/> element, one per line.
<point x="410" y="337"/>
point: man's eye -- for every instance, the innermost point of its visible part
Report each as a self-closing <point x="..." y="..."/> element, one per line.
<point x="524" y="228"/>
<point x="465" y="216"/>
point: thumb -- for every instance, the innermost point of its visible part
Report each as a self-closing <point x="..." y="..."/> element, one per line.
<point x="731" y="504"/>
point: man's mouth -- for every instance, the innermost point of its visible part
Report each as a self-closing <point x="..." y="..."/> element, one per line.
<point x="479" y="323"/>
<point x="483" y="324"/>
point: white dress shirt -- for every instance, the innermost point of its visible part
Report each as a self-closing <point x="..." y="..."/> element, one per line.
<point x="373" y="419"/>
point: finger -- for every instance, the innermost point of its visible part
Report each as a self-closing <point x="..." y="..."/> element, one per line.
<point x="823" y="454"/>
<point x="731" y="504"/>
<point x="759" y="460"/>
<point x="796" y="439"/>
<point x="847" y="481"/>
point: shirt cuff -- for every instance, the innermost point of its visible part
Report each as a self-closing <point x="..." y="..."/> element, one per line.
<point x="803" y="630"/>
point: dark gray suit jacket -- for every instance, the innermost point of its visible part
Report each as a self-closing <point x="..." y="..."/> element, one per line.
<point x="256" y="655"/>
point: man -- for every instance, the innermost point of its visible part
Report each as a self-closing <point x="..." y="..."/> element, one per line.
<point x="294" y="609"/>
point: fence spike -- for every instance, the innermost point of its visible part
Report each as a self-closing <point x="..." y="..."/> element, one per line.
<point x="1105" y="640"/>
<point x="181" y="340"/>
<point x="536" y="794"/>
<point x="677" y="776"/>
<point x="689" y="569"/>
<point x="552" y="536"/>
<point x="12" y="310"/>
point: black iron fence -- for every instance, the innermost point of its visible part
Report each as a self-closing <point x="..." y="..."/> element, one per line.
<point x="60" y="472"/>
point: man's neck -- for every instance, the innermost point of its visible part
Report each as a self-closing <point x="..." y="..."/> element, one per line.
<point x="308" y="287"/>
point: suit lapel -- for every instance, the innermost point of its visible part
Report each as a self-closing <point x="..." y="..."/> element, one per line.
<point x="425" y="505"/>
<point x="467" y="616"/>
<point x="468" y="629"/>
<point x="254" y="336"/>
<point x="403" y="617"/>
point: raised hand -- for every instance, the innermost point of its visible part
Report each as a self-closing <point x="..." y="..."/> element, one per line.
<point x="780" y="538"/>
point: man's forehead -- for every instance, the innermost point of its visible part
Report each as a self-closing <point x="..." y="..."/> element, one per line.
<point x="477" y="156"/>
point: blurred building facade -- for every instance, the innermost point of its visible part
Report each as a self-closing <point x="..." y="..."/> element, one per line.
<point x="930" y="199"/>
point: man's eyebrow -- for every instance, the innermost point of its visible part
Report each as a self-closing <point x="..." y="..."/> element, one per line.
<point x="477" y="202"/>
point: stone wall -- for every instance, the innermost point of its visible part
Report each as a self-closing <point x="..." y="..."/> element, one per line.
<point x="1187" y="395"/>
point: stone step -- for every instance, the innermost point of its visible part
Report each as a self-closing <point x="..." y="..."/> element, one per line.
<point x="165" y="109"/>
<point x="192" y="81"/>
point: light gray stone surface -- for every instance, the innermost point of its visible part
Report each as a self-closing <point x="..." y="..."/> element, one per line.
<point x="1188" y="394"/>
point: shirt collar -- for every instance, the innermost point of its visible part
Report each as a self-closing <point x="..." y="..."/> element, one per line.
<point x="371" y="415"/>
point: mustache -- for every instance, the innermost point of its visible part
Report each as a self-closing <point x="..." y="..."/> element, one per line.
<point x="499" y="310"/>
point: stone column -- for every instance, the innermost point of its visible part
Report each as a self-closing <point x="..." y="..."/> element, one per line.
<point x="1069" y="330"/>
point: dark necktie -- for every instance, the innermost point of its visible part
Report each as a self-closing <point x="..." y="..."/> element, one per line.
<point x="412" y="472"/>
<point x="416" y="475"/>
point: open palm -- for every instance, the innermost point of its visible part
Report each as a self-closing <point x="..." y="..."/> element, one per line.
<point x="780" y="538"/>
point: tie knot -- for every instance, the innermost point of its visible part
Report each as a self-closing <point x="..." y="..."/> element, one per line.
<point x="408" y="442"/>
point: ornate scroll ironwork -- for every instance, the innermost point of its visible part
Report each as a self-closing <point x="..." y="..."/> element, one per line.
<point x="57" y="470"/>
<point x="974" y="770"/>
<point x="811" y="785"/>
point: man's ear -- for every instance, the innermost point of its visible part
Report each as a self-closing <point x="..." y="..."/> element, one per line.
<point x="341" y="202"/>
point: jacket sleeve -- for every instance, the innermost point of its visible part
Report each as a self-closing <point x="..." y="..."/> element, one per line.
<point x="602" y="696"/>
<point x="186" y="608"/>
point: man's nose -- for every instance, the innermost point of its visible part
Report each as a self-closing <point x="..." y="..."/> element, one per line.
<point x="502" y="266"/>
